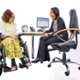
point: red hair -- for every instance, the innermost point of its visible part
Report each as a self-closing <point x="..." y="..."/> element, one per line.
<point x="7" y="15"/>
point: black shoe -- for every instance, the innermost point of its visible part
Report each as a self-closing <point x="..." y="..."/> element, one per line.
<point x="47" y="60"/>
<point x="37" y="60"/>
<point x="22" y="66"/>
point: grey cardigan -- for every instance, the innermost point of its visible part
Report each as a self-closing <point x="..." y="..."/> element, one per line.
<point x="3" y="29"/>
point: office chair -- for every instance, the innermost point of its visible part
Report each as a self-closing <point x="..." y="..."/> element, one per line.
<point x="3" y="63"/>
<point x="65" y="46"/>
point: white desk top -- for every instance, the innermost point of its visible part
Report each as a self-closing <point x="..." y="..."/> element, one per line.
<point x="31" y="33"/>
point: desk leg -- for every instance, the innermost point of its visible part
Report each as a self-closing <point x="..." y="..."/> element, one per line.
<point x="32" y="46"/>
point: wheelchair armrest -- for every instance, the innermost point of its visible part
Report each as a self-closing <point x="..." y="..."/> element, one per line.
<point x="19" y="36"/>
<point x="1" y="38"/>
<point x="4" y="38"/>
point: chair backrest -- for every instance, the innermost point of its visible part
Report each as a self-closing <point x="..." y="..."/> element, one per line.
<point x="73" y="20"/>
<point x="74" y="23"/>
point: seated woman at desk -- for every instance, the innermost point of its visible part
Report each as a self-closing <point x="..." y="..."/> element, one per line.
<point x="11" y="42"/>
<point x="48" y="38"/>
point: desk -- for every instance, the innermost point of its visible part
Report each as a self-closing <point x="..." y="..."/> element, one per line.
<point x="31" y="34"/>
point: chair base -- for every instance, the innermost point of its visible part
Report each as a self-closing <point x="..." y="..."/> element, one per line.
<point x="64" y="61"/>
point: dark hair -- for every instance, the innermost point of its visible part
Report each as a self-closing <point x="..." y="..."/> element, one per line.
<point x="7" y="15"/>
<point x="55" y="11"/>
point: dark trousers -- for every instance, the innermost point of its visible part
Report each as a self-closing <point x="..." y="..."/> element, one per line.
<point x="43" y="47"/>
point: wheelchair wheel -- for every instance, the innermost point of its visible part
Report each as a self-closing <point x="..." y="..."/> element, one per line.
<point x="0" y="68"/>
<point x="0" y="71"/>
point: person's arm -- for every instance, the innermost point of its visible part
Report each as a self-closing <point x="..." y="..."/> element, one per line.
<point x="60" y="25"/>
<point x="49" y="32"/>
<point x="51" y="28"/>
<point x="3" y="31"/>
<point x="14" y="36"/>
<point x="15" y="29"/>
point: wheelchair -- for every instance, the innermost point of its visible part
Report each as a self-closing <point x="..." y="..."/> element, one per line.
<point x="25" y="52"/>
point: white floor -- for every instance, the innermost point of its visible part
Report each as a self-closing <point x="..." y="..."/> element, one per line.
<point x="42" y="72"/>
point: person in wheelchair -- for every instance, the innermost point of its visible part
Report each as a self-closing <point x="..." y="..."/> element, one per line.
<point x="11" y="41"/>
<point x="48" y="38"/>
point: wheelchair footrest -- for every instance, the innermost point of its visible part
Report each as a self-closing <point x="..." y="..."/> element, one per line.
<point x="7" y="69"/>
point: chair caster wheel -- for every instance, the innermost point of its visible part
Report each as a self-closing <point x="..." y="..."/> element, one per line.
<point x="49" y="65"/>
<point x="69" y="60"/>
<point x="67" y="73"/>
<point x="79" y="68"/>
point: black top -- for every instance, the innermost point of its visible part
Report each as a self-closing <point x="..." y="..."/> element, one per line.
<point x="61" y="25"/>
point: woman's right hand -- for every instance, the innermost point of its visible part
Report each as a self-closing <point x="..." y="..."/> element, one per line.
<point x="44" y="33"/>
<point x="13" y="36"/>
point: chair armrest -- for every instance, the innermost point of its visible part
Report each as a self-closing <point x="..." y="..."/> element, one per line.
<point x="70" y="29"/>
<point x="71" y="37"/>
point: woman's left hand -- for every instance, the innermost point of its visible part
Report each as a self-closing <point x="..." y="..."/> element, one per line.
<point x="15" y="37"/>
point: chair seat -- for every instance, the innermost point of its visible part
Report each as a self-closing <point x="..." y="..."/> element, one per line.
<point x="65" y="47"/>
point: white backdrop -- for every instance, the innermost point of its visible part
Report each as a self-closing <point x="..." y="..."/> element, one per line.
<point x="26" y="12"/>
